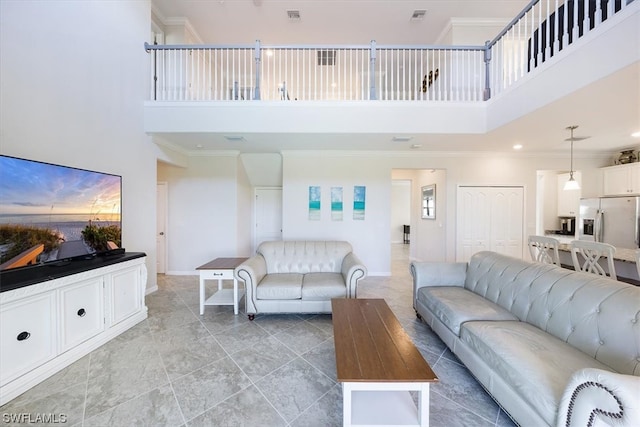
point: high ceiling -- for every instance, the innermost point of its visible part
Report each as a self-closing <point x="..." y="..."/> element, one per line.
<point x="330" y="21"/>
<point x="607" y="122"/>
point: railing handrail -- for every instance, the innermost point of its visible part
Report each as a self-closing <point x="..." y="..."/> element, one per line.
<point x="149" y="47"/>
<point x="514" y="21"/>
<point x="432" y="72"/>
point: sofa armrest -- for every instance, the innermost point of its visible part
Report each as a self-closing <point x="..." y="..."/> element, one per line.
<point x="352" y="271"/>
<point x="251" y="272"/>
<point x="595" y="396"/>
<point x="437" y="274"/>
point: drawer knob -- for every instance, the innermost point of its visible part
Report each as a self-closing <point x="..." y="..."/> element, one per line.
<point x="82" y="312"/>
<point x="23" y="336"/>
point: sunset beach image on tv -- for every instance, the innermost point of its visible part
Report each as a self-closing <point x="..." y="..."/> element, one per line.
<point x="52" y="212"/>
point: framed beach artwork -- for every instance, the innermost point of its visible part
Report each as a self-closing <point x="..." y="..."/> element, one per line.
<point x="359" y="201"/>
<point x="336" y="203"/>
<point x="314" y="203"/>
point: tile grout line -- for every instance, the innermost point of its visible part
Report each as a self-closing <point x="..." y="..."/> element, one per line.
<point x="170" y="382"/>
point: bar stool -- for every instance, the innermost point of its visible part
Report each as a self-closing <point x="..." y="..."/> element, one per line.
<point x="544" y="249"/>
<point x="591" y="252"/>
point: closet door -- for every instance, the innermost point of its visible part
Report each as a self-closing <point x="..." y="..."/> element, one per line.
<point x="489" y="218"/>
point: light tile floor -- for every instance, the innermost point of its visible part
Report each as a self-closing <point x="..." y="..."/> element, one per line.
<point x="180" y="369"/>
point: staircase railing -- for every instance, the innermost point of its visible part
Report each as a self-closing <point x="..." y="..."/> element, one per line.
<point x="376" y="72"/>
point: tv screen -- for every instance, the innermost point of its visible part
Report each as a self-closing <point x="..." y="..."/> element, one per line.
<point x="52" y="212"/>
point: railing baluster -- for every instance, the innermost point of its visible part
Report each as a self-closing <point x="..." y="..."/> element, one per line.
<point x="586" y="23"/>
<point x="395" y="73"/>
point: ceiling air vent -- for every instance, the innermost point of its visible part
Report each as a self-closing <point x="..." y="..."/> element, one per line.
<point x="234" y="138"/>
<point x="418" y="15"/>
<point x="327" y="57"/>
<point x="294" y="15"/>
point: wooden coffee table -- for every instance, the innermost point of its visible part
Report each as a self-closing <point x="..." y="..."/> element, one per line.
<point x="378" y="364"/>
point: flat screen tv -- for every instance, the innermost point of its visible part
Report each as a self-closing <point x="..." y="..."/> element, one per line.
<point x="54" y="213"/>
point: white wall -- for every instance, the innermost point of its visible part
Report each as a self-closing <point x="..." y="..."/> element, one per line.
<point x="430" y="234"/>
<point x="203" y="211"/>
<point x="202" y="228"/>
<point x="245" y="215"/>
<point x="369" y="237"/>
<point x="74" y="78"/>
<point x="400" y="208"/>
<point x="471" y="31"/>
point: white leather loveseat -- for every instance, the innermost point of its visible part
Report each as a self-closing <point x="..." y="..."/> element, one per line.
<point x="299" y="276"/>
<point x="553" y="347"/>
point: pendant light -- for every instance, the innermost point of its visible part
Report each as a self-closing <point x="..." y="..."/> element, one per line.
<point x="572" y="184"/>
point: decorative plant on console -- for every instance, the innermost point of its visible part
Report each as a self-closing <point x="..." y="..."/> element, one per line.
<point x="101" y="238"/>
<point x="16" y="239"/>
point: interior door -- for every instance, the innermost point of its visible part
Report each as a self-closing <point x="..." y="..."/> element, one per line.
<point x="161" y="227"/>
<point x="507" y="219"/>
<point x="473" y="225"/>
<point x="268" y="215"/>
<point x="489" y="219"/>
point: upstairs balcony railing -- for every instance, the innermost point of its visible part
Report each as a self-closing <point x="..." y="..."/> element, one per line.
<point x="376" y="72"/>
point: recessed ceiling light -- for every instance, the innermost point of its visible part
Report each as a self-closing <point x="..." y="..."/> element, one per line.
<point x="414" y="146"/>
<point x="418" y="15"/>
<point x="199" y="146"/>
<point x="402" y="138"/>
<point x="636" y="134"/>
<point x="517" y="147"/>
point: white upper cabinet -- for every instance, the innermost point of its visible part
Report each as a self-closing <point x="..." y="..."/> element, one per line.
<point x="568" y="200"/>
<point x="621" y="179"/>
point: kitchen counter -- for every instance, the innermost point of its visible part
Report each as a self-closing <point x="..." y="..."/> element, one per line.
<point x="621" y="254"/>
<point x="562" y="238"/>
<point x="623" y="259"/>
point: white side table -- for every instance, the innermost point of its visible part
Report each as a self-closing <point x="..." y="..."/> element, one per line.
<point x="220" y="269"/>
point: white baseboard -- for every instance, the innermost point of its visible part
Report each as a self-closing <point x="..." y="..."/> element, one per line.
<point x="182" y="273"/>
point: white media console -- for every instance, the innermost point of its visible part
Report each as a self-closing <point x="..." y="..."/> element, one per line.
<point x="48" y="325"/>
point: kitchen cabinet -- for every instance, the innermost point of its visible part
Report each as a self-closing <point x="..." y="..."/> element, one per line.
<point x="48" y="325"/>
<point x="568" y="200"/>
<point x="621" y="180"/>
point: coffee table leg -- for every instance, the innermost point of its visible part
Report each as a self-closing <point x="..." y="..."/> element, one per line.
<point x="346" y="404"/>
<point x="423" y="405"/>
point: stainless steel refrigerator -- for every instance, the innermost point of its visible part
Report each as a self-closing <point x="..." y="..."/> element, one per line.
<point x="613" y="220"/>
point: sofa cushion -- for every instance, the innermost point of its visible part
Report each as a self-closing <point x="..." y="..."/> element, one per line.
<point x="535" y="364"/>
<point x="323" y="286"/>
<point x="594" y="314"/>
<point x="304" y="256"/>
<point x="454" y="305"/>
<point x="280" y="286"/>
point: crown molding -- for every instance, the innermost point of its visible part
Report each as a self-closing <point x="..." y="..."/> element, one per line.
<point x="479" y="22"/>
<point x="438" y="154"/>
<point x="216" y="153"/>
<point x="470" y="22"/>
<point x="158" y="140"/>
